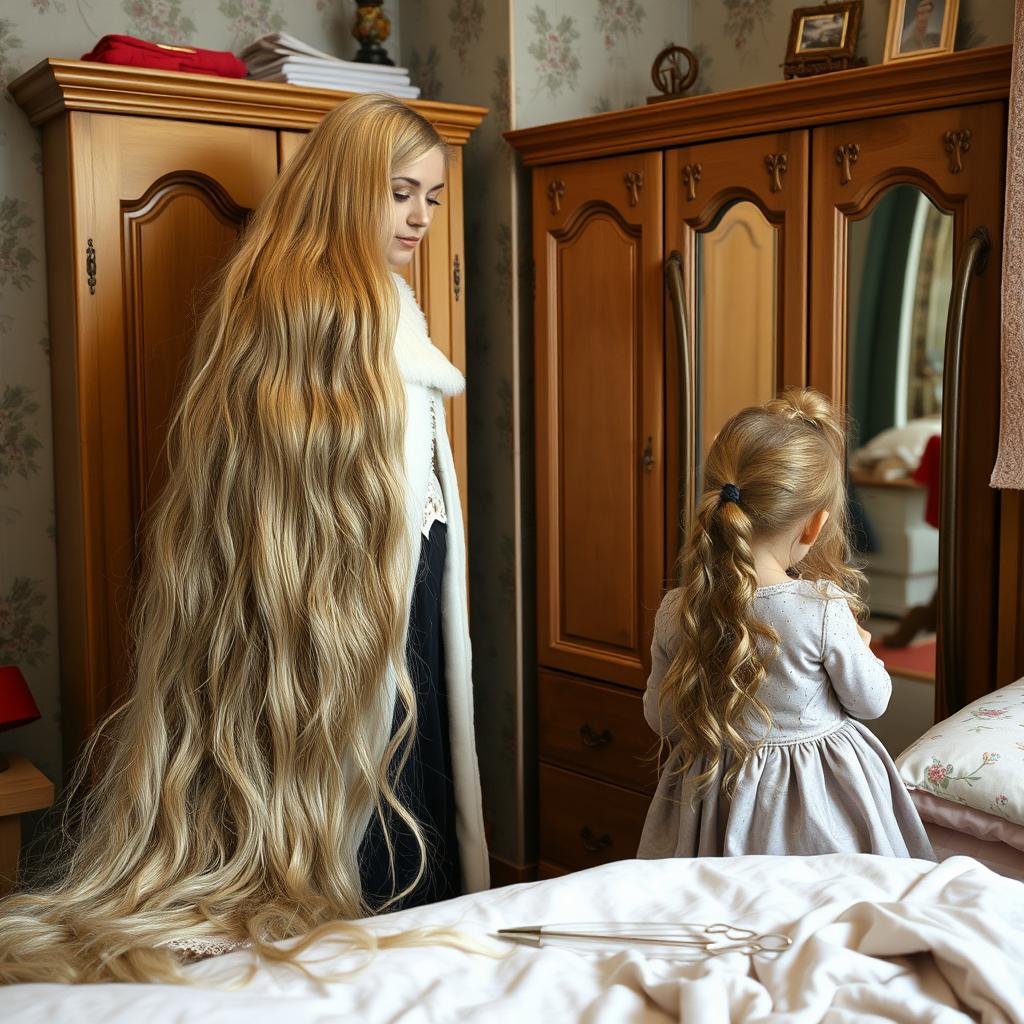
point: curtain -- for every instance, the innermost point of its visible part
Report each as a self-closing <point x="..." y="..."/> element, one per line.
<point x="1009" y="468"/>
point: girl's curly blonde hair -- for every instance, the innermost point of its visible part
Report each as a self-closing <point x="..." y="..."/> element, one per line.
<point x="787" y="460"/>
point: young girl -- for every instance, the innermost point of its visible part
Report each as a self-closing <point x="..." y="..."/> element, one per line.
<point x="760" y="671"/>
<point x="298" y="745"/>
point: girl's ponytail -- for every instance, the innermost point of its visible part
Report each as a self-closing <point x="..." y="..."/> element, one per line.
<point x="769" y="470"/>
<point x="711" y="687"/>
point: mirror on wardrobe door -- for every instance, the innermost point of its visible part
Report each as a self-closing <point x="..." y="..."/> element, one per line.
<point x="899" y="276"/>
<point x="737" y="261"/>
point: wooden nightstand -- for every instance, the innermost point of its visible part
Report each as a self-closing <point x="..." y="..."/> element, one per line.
<point x="22" y="788"/>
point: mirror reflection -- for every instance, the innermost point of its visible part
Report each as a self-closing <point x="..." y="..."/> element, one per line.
<point x="736" y="258"/>
<point x="900" y="261"/>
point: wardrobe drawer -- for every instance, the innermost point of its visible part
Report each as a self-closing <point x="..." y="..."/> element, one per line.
<point x="596" y="730"/>
<point x="584" y="822"/>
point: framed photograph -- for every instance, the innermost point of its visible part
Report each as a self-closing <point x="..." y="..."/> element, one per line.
<point x="823" y="38"/>
<point x="920" y="28"/>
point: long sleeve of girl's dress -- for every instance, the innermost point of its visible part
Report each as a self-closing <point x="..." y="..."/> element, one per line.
<point x="663" y="648"/>
<point x="858" y="678"/>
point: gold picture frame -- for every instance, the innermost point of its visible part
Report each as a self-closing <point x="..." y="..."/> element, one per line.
<point x="823" y="39"/>
<point x="920" y="28"/>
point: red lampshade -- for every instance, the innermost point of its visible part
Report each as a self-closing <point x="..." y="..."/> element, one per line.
<point x="16" y="704"/>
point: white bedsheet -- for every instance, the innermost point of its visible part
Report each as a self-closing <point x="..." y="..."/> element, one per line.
<point x="874" y="940"/>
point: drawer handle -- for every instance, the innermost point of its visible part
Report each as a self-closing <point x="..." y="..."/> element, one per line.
<point x="594" y="739"/>
<point x="592" y="843"/>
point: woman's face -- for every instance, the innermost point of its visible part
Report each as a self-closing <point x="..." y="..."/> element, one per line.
<point x="416" y="193"/>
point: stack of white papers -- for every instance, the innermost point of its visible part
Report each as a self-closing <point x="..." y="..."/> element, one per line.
<point x="280" y="57"/>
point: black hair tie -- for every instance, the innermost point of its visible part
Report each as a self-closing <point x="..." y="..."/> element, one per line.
<point x="729" y="492"/>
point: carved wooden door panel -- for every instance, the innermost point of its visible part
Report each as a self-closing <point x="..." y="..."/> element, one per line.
<point x="736" y="212"/>
<point x="600" y="376"/>
<point x="895" y="203"/>
<point x="159" y="206"/>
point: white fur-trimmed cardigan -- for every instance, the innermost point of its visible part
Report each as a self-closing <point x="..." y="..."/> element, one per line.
<point x="429" y="378"/>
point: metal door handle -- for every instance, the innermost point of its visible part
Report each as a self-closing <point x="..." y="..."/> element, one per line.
<point x="686" y="398"/>
<point x="593" y="843"/>
<point x="648" y="458"/>
<point x="594" y="739"/>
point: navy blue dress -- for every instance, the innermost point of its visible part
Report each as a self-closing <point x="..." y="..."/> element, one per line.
<point x="425" y="785"/>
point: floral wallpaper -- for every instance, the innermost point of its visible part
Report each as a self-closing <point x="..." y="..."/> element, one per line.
<point x="578" y="57"/>
<point x="553" y="49"/>
<point x="29" y="31"/>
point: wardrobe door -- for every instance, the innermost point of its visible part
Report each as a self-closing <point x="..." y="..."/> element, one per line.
<point x="736" y="216"/>
<point x="599" y="368"/>
<point x="155" y="206"/>
<point x="896" y="201"/>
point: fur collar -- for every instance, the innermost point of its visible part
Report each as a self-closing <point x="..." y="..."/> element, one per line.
<point x="419" y="362"/>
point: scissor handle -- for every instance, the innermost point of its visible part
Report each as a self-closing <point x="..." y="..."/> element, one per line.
<point x="730" y="931"/>
<point x="748" y="941"/>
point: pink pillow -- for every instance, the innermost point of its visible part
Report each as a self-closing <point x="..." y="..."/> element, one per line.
<point x="962" y="818"/>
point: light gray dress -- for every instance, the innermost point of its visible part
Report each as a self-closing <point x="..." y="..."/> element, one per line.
<point x="821" y="783"/>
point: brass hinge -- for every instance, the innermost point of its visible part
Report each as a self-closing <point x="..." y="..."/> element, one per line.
<point x="457" y="277"/>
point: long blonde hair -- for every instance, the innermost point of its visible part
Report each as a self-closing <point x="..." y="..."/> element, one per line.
<point x="231" y="790"/>
<point x="787" y="460"/>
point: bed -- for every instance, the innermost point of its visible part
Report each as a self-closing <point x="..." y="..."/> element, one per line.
<point x="873" y="939"/>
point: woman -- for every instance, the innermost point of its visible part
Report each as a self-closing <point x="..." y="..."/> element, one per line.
<point x="273" y="708"/>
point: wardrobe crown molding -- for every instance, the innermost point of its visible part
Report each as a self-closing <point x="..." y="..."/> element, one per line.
<point x="55" y="86"/>
<point x="970" y="76"/>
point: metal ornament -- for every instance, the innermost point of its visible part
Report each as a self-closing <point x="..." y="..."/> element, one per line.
<point x="634" y="182"/>
<point x="691" y="176"/>
<point x="846" y="156"/>
<point x="956" y="144"/>
<point x="777" y="164"/>
<point x="556" y="190"/>
<point x="668" y="75"/>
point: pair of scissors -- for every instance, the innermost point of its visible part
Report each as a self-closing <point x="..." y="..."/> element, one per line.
<point x="672" y="940"/>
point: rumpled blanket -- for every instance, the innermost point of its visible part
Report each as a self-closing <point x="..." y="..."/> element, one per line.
<point x="875" y="939"/>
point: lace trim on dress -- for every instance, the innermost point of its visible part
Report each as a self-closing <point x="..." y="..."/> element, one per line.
<point x="194" y="947"/>
<point x="433" y="508"/>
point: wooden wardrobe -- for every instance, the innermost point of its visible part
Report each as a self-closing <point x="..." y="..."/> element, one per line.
<point x="148" y="179"/>
<point x="691" y="259"/>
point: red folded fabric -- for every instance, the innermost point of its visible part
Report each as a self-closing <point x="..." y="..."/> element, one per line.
<point x="164" y="57"/>
<point x="928" y="473"/>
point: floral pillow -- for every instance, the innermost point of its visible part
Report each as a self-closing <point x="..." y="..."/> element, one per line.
<point x="975" y="757"/>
